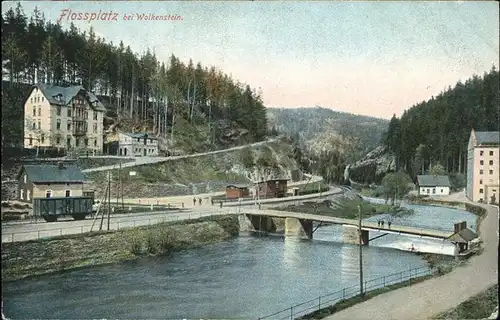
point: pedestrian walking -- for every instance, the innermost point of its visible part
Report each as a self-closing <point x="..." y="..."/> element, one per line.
<point x="212" y="201"/>
<point x="378" y="223"/>
<point x="382" y="223"/>
<point x="199" y="201"/>
<point x="389" y="224"/>
<point x="221" y="203"/>
<point x="194" y="201"/>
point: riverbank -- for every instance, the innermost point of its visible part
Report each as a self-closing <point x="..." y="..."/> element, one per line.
<point x="25" y="259"/>
<point x="440" y="264"/>
<point x="479" y="306"/>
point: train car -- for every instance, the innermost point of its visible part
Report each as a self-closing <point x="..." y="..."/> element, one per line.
<point x="52" y="208"/>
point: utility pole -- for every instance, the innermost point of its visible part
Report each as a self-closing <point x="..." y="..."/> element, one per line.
<point x="121" y="185"/>
<point x="109" y="197"/>
<point x="360" y="254"/>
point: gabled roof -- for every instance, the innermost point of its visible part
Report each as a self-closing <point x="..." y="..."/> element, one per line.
<point x="47" y="173"/>
<point x="463" y="236"/>
<point x="140" y="135"/>
<point x="238" y="186"/>
<point x="487" y="137"/>
<point x="68" y="93"/>
<point x="433" y="181"/>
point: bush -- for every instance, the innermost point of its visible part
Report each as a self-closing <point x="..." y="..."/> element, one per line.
<point x="134" y="243"/>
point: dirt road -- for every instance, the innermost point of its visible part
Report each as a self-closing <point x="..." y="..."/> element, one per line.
<point x="428" y="298"/>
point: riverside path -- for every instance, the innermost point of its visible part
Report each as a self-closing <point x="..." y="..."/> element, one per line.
<point x="428" y="298"/>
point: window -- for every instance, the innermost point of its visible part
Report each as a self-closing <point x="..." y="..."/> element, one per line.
<point x="481" y="153"/>
<point x="69" y="112"/>
<point x="68" y="141"/>
<point x="481" y="190"/>
<point x="48" y="194"/>
<point x="39" y="125"/>
<point x="95" y="115"/>
<point x="31" y="100"/>
<point x="68" y="126"/>
<point x="491" y="153"/>
<point x="491" y="171"/>
<point x="433" y="190"/>
<point x="34" y="111"/>
<point x="86" y="142"/>
<point x="491" y="162"/>
<point x="95" y="143"/>
<point x="481" y="162"/>
<point x="28" y="195"/>
<point x="481" y="181"/>
<point x="138" y="140"/>
<point x="39" y="111"/>
<point x="481" y="171"/>
<point x="77" y="142"/>
<point x="150" y="140"/>
<point x="95" y="127"/>
<point x="25" y="178"/>
<point x="58" y="124"/>
<point x="33" y="126"/>
<point x="58" y="140"/>
<point x="68" y="193"/>
<point x="42" y="98"/>
<point x="31" y="140"/>
<point x="43" y="138"/>
<point x="21" y="194"/>
<point x="441" y="191"/>
<point x="58" y="110"/>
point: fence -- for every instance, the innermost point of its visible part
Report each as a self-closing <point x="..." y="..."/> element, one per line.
<point x="324" y="301"/>
<point x="114" y="225"/>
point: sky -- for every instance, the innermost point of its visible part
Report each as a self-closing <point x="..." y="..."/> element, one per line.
<point x="371" y="58"/>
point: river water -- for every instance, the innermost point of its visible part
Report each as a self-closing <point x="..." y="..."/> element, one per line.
<point x="243" y="278"/>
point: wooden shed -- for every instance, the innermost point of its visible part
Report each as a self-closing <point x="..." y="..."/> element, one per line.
<point x="462" y="239"/>
<point x="273" y="188"/>
<point x="236" y="191"/>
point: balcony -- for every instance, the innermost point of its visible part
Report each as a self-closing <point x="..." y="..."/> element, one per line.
<point x="79" y="128"/>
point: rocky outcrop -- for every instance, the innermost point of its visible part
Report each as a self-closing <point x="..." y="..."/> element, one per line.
<point x="373" y="166"/>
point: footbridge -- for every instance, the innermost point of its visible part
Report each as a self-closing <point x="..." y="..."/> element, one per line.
<point x="302" y="225"/>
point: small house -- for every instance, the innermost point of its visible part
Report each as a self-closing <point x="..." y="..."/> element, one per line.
<point x="133" y="145"/>
<point x="48" y="181"/>
<point x="462" y="239"/>
<point x="272" y="188"/>
<point x="236" y="191"/>
<point x="433" y="185"/>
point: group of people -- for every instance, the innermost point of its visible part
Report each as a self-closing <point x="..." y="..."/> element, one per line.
<point x="194" y="201"/>
<point x="381" y="223"/>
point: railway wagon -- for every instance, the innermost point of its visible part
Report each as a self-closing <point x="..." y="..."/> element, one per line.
<point x="52" y="208"/>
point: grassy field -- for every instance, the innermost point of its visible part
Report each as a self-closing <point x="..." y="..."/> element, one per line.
<point x="478" y="307"/>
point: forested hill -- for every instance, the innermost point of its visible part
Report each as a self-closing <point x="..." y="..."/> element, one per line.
<point x="436" y="132"/>
<point x="320" y="128"/>
<point x="192" y="107"/>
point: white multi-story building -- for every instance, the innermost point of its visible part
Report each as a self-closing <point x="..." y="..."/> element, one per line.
<point x="137" y="144"/>
<point x="483" y="166"/>
<point x="70" y="118"/>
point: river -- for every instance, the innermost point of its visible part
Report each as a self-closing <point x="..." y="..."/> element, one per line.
<point x="243" y="278"/>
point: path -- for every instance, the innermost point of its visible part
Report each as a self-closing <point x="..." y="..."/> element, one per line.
<point x="426" y="299"/>
<point x="152" y="160"/>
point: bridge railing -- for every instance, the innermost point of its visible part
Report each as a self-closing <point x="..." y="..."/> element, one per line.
<point x="316" y="304"/>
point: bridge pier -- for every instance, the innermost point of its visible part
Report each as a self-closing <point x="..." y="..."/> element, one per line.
<point x="250" y="222"/>
<point x="350" y="234"/>
<point x="299" y="228"/>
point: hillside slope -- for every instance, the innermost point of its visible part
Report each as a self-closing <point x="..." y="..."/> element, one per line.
<point x="320" y="128"/>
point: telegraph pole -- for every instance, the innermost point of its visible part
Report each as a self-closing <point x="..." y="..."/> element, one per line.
<point x="121" y="184"/>
<point x="109" y="197"/>
<point x="360" y="253"/>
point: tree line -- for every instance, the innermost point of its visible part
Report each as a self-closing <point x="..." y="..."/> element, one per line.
<point x="164" y="95"/>
<point x="437" y="131"/>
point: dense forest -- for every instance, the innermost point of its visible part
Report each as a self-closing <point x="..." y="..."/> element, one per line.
<point x="319" y="130"/>
<point x="179" y="102"/>
<point x="437" y="131"/>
